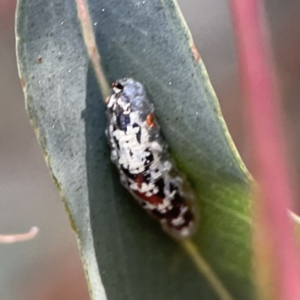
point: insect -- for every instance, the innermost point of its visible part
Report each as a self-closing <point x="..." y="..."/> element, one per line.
<point x="142" y="158"/>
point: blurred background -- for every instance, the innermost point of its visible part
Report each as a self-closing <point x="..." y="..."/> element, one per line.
<point x="49" y="266"/>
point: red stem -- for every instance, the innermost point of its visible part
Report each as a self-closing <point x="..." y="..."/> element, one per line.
<point x="266" y="139"/>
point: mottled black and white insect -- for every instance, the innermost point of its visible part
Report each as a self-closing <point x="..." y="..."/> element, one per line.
<point x="141" y="156"/>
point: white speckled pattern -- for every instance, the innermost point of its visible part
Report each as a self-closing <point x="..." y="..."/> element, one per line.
<point x="141" y="156"/>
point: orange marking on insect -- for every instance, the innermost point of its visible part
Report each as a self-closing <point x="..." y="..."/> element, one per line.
<point x="154" y="199"/>
<point x="150" y="120"/>
<point x="139" y="179"/>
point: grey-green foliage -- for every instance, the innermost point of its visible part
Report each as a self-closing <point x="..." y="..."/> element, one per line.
<point x="148" y="41"/>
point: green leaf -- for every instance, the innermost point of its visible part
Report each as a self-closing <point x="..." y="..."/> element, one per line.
<point x="122" y="248"/>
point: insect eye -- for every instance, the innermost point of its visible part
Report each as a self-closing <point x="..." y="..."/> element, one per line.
<point x="117" y="87"/>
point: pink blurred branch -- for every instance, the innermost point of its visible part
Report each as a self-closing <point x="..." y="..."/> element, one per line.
<point x="13" y="238"/>
<point x="266" y="138"/>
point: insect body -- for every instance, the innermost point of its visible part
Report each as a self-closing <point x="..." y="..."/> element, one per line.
<point x="141" y="156"/>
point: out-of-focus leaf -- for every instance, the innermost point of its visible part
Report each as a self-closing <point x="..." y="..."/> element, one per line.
<point x="121" y="246"/>
<point x="276" y="256"/>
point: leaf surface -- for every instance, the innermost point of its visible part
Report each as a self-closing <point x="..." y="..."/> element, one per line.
<point x="125" y="253"/>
